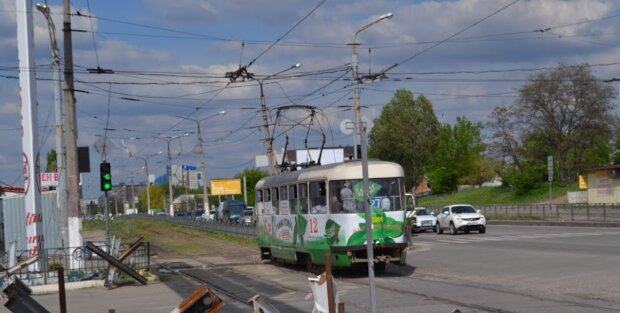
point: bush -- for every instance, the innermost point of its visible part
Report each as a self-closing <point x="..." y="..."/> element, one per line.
<point x="526" y="179"/>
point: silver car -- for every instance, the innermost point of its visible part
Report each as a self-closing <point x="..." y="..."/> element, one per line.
<point x="422" y="220"/>
<point x="247" y="218"/>
<point x="461" y="217"/>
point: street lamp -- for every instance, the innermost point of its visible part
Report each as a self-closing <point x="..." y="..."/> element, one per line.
<point x="362" y="134"/>
<point x="263" y="106"/>
<point x="356" y="82"/>
<point x="169" y="169"/>
<point x="148" y="183"/>
<point x="203" y="165"/>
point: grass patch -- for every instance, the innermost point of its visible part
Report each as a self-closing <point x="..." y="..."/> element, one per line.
<point x="495" y="195"/>
<point x="177" y="239"/>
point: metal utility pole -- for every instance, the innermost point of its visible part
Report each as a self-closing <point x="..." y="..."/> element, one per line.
<point x="356" y="82"/>
<point x="61" y="189"/>
<point x="361" y="130"/>
<point x="170" y="195"/>
<point x="148" y="183"/>
<point x="73" y="185"/>
<point x="169" y="171"/>
<point x="263" y="107"/>
<point x="203" y="163"/>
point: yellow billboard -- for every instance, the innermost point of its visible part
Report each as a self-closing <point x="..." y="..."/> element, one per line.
<point x="583" y="182"/>
<point x="225" y="186"/>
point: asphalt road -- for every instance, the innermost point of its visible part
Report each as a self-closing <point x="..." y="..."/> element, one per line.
<point x="563" y="269"/>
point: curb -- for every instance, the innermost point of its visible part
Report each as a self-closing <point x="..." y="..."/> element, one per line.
<point x="53" y="288"/>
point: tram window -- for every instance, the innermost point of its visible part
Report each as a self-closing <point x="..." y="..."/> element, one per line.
<point x="341" y="197"/>
<point x="267" y="195"/>
<point x="283" y="193"/>
<point x="317" y="198"/>
<point x="292" y="199"/>
<point x="303" y="198"/>
<point x="386" y="194"/>
<point x="259" y="196"/>
<point x="274" y="200"/>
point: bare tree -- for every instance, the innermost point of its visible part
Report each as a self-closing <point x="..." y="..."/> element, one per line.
<point x="504" y="142"/>
<point x="565" y="111"/>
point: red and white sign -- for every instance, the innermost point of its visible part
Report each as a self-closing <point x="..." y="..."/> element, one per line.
<point x="49" y="179"/>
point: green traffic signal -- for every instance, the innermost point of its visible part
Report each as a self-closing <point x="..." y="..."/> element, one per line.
<point x="105" y="176"/>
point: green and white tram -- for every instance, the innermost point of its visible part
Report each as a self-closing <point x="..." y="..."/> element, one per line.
<point x="304" y="214"/>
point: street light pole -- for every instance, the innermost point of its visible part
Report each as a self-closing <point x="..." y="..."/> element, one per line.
<point x="148" y="183"/>
<point x="356" y="82"/>
<point x="60" y="145"/>
<point x="203" y="163"/>
<point x="364" y="148"/>
<point x="263" y="107"/>
<point x="169" y="170"/>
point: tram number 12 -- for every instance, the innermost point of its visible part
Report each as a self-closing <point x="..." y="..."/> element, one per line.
<point x="314" y="226"/>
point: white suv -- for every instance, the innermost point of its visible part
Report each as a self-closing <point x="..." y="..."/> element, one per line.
<point x="460" y="217"/>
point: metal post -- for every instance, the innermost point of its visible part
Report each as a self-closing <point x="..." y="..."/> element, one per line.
<point x="368" y="220"/>
<point x="356" y="82"/>
<point x="203" y="176"/>
<point x="170" y="195"/>
<point x="203" y="162"/>
<point x="245" y="189"/>
<point x="107" y="220"/>
<point x="61" y="290"/>
<point x="356" y="95"/>
<point x="148" y="187"/>
<point x="133" y="196"/>
<point x="268" y="143"/>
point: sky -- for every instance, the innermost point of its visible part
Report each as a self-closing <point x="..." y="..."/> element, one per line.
<point x="169" y="60"/>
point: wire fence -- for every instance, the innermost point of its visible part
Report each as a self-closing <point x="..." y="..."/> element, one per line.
<point x="552" y="212"/>
<point x="79" y="264"/>
<point x="239" y="229"/>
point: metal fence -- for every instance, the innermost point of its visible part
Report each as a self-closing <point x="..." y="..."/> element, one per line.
<point x="79" y="264"/>
<point x="553" y="212"/>
<point x="200" y="223"/>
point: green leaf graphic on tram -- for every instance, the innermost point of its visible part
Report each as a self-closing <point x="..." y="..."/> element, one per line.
<point x="331" y="232"/>
<point x="358" y="238"/>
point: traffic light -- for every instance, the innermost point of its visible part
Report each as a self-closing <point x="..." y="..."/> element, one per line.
<point x="106" y="176"/>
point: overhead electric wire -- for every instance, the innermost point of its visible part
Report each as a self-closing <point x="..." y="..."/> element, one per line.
<point x="286" y="33"/>
<point x="449" y="37"/>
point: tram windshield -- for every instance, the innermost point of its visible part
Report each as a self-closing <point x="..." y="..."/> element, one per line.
<point x="347" y="196"/>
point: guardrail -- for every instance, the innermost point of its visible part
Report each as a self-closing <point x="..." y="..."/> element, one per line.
<point x="551" y="212"/>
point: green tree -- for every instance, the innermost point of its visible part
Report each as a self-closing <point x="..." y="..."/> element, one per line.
<point x="406" y="132"/>
<point x="52" y="165"/>
<point x="484" y="171"/>
<point x="252" y="176"/>
<point x="567" y="112"/>
<point x="459" y="148"/>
